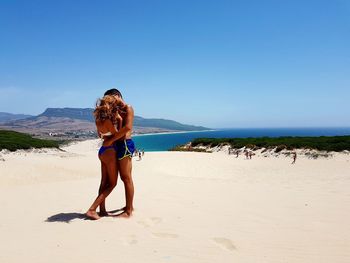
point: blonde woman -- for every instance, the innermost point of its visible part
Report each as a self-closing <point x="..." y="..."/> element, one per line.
<point x="106" y="119"/>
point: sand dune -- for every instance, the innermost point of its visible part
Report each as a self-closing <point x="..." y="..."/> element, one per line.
<point x="190" y="207"/>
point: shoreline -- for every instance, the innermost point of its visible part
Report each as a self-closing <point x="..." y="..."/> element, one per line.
<point x="172" y="132"/>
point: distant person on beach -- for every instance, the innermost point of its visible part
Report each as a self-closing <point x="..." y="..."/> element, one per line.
<point x="250" y="154"/>
<point x="125" y="148"/>
<point x="246" y="154"/>
<point x="140" y="156"/>
<point x="106" y="119"/>
<point x="230" y="151"/>
<point x="294" y="155"/>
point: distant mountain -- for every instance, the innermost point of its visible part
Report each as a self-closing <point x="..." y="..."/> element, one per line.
<point x="5" y="117"/>
<point x="72" y="113"/>
<point x="87" y="115"/>
<point x="72" y="122"/>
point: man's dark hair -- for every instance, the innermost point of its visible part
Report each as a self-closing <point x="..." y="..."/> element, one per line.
<point x="113" y="92"/>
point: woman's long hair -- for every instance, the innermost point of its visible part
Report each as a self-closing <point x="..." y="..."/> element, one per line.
<point x="106" y="108"/>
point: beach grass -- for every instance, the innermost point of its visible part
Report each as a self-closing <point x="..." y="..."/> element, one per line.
<point x="322" y="143"/>
<point x="181" y="148"/>
<point x="12" y="141"/>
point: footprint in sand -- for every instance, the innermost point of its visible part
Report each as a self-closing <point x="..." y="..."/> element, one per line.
<point x="131" y="240"/>
<point x="149" y="222"/>
<point x="156" y="220"/>
<point x="165" y="235"/>
<point x="224" y="243"/>
<point x="143" y="223"/>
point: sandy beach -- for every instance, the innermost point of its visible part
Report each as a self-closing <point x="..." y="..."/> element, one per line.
<point x="189" y="207"/>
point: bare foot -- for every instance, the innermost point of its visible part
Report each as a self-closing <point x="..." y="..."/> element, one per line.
<point x="124" y="214"/>
<point x="124" y="209"/>
<point x="92" y="215"/>
<point x="118" y="210"/>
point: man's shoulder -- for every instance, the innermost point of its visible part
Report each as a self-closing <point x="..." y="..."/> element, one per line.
<point x="130" y="108"/>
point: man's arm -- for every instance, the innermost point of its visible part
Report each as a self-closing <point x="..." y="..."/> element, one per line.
<point x="124" y="130"/>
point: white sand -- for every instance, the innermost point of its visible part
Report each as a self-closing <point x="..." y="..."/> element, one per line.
<point x="190" y="207"/>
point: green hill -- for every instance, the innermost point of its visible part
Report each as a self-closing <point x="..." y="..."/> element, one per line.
<point x="166" y="124"/>
<point x="13" y="141"/>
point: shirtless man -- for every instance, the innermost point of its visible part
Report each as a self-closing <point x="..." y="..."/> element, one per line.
<point x="125" y="149"/>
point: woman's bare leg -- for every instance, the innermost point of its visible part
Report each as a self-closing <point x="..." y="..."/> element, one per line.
<point x="103" y="211"/>
<point x="111" y="167"/>
<point x="103" y="185"/>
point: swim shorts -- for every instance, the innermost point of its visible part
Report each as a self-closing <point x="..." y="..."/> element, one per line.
<point x="124" y="148"/>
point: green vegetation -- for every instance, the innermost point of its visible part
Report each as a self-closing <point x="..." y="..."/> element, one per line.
<point x="323" y="143"/>
<point x="180" y="148"/>
<point x="13" y="141"/>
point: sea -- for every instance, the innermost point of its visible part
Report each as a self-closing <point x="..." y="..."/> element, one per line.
<point x="166" y="141"/>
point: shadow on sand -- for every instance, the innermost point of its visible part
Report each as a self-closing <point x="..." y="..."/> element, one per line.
<point x="116" y="211"/>
<point x="66" y="217"/>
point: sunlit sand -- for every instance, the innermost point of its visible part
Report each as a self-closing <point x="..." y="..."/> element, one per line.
<point x="189" y="207"/>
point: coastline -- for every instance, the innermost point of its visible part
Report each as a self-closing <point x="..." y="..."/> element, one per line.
<point x="166" y="142"/>
<point x="170" y="132"/>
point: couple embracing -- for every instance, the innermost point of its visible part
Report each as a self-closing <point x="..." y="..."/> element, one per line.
<point x="114" y="120"/>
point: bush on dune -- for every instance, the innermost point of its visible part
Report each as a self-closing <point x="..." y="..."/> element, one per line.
<point x="323" y="143"/>
<point x="13" y="141"/>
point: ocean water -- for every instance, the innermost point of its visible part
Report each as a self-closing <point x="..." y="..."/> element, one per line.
<point x="163" y="142"/>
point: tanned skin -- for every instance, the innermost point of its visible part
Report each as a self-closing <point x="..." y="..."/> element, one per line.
<point x="125" y="165"/>
<point x="104" y="179"/>
<point x="109" y="171"/>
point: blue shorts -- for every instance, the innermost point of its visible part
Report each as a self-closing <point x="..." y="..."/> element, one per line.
<point x="124" y="148"/>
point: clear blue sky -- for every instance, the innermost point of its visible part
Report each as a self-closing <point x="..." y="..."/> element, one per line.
<point x="213" y="63"/>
